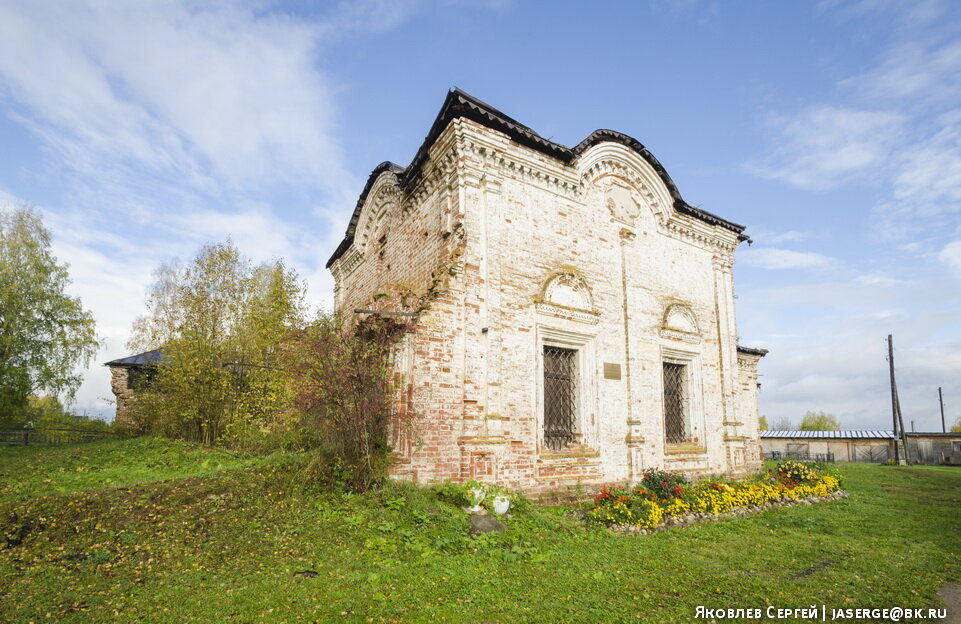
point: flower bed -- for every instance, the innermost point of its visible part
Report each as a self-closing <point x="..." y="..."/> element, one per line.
<point x="662" y="495"/>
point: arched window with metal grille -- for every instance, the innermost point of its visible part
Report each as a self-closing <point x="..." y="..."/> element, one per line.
<point x="560" y="396"/>
<point x="675" y="403"/>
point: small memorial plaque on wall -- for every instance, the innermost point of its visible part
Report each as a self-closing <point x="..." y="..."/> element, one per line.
<point x="612" y="370"/>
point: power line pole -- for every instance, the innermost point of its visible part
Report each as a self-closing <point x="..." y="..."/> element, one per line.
<point x="894" y="401"/>
<point x="896" y="409"/>
<point x="904" y="432"/>
<point x="941" y="402"/>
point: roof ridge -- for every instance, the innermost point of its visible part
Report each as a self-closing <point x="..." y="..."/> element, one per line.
<point x="482" y="104"/>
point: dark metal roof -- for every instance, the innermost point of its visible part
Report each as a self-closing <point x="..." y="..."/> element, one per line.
<point x="460" y="104"/>
<point x="752" y="351"/>
<point x="843" y="435"/>
<point x="934" y="434"/>
<point x="147" y="358"/>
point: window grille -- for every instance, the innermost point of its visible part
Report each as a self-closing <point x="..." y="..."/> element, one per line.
<point x="560" y="396"/>
<point x="675" y="399"/>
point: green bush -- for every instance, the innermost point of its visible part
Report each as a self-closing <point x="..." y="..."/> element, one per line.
<point x="663" y="484"/>
<point x="340" y="382"/>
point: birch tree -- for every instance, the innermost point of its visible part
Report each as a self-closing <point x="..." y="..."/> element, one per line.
<point x="45" y="334"/>
<point x="220" y="323"/>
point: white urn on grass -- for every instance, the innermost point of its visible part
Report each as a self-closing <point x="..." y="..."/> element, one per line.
<point x="477" y="497"/>
<point x="501" y="505"/>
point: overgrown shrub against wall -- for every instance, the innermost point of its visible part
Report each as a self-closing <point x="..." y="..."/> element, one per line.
<point x="340" y="380"/>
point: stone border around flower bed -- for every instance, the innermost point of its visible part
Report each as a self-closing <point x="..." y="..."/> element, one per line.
<point x="676" y="522"/>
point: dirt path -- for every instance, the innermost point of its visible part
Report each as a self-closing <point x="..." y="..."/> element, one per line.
<point x="951" y="595"/>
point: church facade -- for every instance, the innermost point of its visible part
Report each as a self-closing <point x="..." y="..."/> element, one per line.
<point x="570" y="319"/>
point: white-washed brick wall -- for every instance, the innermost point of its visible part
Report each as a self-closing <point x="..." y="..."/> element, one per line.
<point x="500" y="248"/>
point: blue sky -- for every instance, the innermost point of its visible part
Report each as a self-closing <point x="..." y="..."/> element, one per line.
<point x="831" y="129"/>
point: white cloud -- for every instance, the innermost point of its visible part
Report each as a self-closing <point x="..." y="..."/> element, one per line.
<point x="930" y="171"/>
<point x="214" y="94"/>
<point x="895" y="129"/>
<point x="775" y="238"/>
<point x="913" y="14"/>
<point x="701" y="10"/>
<point x="925" y="190"/>
<point x="898" y="128"/>
<point x="913" y="70"/>
<point x="368" y="16"/>
<point x="951" y="256"/>
<point x="792" y="236"/>
<point x="825" y="146"/>
<point x="775" y="258"/>
<point x="850" y="379"/>
<point x="877" y="277"/>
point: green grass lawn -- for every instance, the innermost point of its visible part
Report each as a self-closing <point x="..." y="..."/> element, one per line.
<point x="28" y="472"/>
<point x="154" y="531"/>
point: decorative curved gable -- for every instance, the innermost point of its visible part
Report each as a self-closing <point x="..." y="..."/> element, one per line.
<point x="616" y="177"/>
<point x="631" y="145"/>
<point x="348" y="241"/>
<point x="381" y="202"/>
<point x="586" y="156"/>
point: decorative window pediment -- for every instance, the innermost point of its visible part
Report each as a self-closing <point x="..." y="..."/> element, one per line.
<point x="680" y="323"/>
<point x="565" y="295"/>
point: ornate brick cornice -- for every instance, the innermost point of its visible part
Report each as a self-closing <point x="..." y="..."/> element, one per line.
<point x="349" y="261"/>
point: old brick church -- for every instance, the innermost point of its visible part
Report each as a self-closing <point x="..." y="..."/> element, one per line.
<point x="570" y="318"/>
